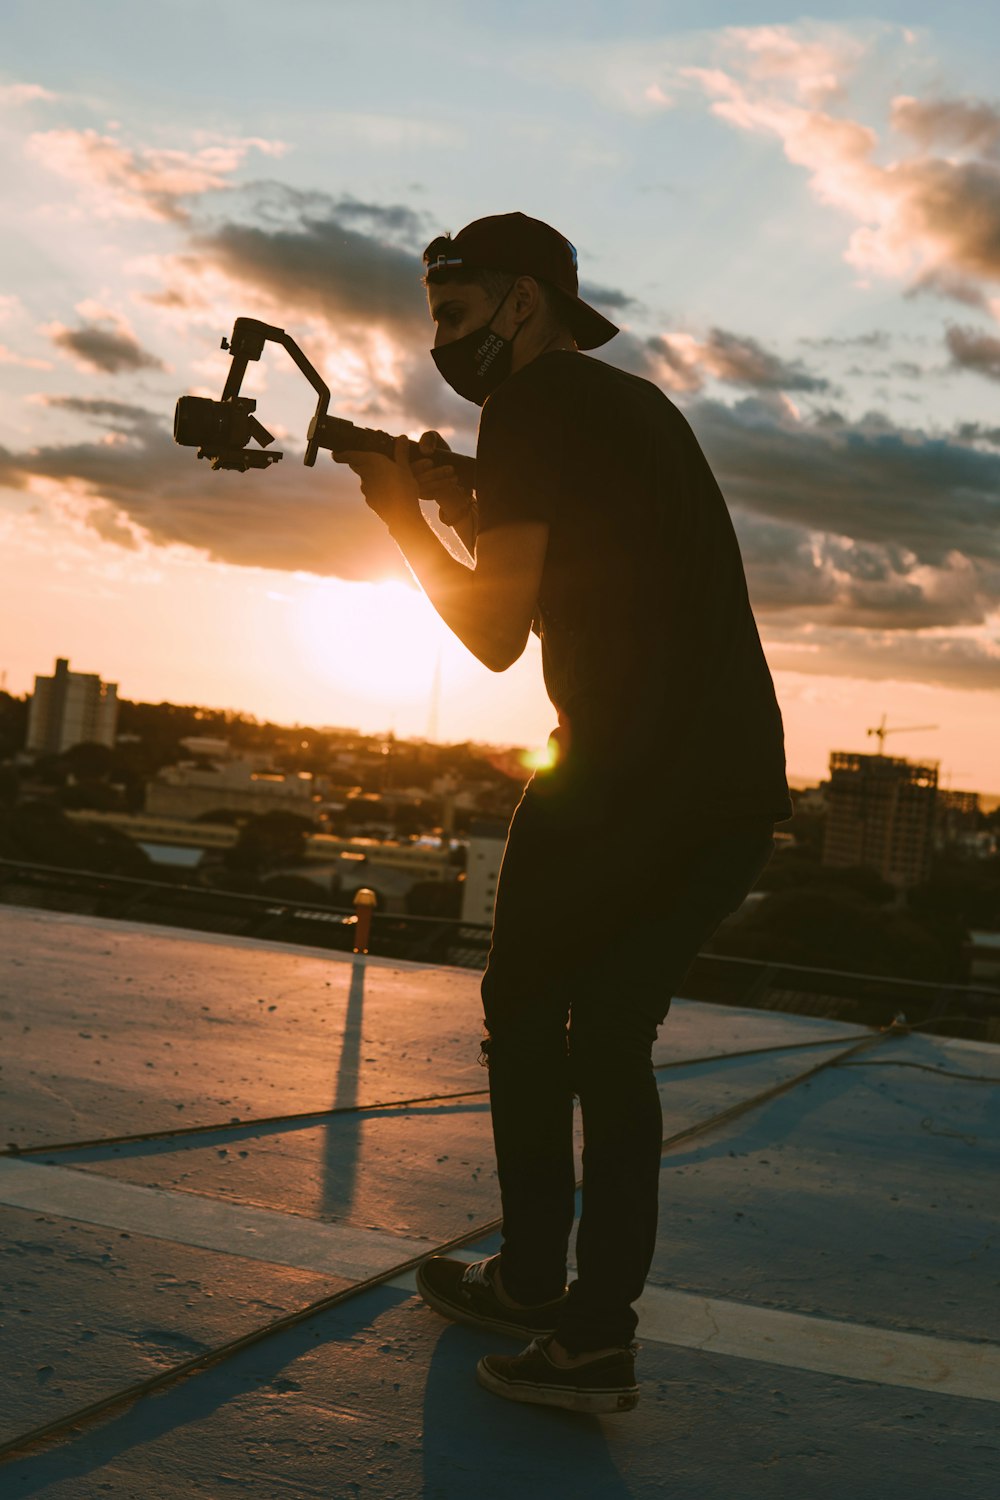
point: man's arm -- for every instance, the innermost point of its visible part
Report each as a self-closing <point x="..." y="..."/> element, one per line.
<point x="437" y="480"/>
<point x="489" y="607"/>
<point x="465" y="526"/>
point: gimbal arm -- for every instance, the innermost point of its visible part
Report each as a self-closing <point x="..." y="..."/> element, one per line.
<point x="333" y="433"/>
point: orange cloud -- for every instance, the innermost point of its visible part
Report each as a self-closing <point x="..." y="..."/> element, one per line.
<point x="681" y="362"/>
<point x="814" y="66"/>
<point x="141" y="184"/>
<point x="931" y="219"/>
<point x="11" y="357"/>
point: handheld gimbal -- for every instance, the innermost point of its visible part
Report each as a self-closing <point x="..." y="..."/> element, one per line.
<point x="221" y="430"/>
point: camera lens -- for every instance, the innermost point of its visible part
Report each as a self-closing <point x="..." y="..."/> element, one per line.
<point x="196" y="421"/>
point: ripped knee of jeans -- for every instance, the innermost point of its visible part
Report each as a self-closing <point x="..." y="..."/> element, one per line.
<point x="616" y="1060"/>
<point x="529" y="1045"/>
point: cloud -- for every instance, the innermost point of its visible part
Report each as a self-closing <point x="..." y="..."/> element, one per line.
<point x="348" y="273"/>
<point x="171" y="298"/>
<point x="606" y="296"/>
<point x="857" y="526"/>
<point x="647" y="76"/>
<point x="12" y="311"/>
<point x="812" y="60"/>
<point x="354" y="265"/>
<point x="929" y="496"/>
<point x="932" y="220"/>
<point x="322" y="265"/>
<point x="966" y="124"/>
<point x="808" y="579"/>
<point x="112" y="351"/>
<point x="25" y="361"/>
<point x="843" y="526"/>
<point x="683" y="362"/>
<point x="974" y="351"/>
<point x="135" y="482"/>
<point x="956" y="662"/>
<point x="24" y="93"/>
<point x="145" y="184"/>
<point x="120" y="412"/>
<point x="975" y="432"/>
<point x="344" y="277"/>
<point x="941" y="281"/>
<point x="875" y="339"/>
<point x="870" y="550"/>
<point x="850" y="529"/>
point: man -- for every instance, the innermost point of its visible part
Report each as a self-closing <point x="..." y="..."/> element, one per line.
<point x="596" y="521"/>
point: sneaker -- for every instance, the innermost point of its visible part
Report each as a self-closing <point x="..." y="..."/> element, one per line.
<point x="465" y="1294"/>
<point x="599" y="1386"/>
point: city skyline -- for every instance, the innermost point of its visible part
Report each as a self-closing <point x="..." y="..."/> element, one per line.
<point x="840" y="369"/>
<point x="532" y="758"/>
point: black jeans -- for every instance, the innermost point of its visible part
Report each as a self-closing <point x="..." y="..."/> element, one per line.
<point x="594" y="929"/>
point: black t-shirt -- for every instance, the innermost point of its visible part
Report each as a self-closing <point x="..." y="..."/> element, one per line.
<point x="650" y="652"/>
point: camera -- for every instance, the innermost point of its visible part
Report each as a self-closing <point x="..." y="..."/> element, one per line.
<point x="221" y="430"/>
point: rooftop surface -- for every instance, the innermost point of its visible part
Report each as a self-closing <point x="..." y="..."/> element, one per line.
<point x="821" y="1319"/>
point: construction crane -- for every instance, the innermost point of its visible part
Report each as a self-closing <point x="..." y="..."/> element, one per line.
<point x="882" y="731"/>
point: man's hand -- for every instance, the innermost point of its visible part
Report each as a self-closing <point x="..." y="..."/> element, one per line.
<point x="388" y="484"/>
<point x="436" y="480"/>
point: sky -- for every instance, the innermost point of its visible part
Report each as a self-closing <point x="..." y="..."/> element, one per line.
<point x="794" y="216"/>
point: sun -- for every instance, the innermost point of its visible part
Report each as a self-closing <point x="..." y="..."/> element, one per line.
<point x="384" y="641"/>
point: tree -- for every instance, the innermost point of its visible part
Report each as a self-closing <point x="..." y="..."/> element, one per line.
<point x="13" y="724"/>
<point x="291" y="887"/>
<point x="829" y="929"/>
<point x="963" y="887"/>
<point x="10" y="785"/>
<point x="40" y="833"/>
<point x="89" y="761"/>
<point x="792" y="869"/>
<point x="807" y="830"/>
<point x="270" y="840"/>
<point x="96" y="796"/>
<point x="435" y="898"/>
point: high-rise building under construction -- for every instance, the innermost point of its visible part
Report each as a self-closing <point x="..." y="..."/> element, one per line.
<point x="880" y="813"/>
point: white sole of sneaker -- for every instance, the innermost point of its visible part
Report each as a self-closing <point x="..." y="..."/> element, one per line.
<point x="596" y="1403"/>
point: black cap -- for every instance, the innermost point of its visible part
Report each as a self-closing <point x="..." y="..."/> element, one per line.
<point x="526" y="247"/>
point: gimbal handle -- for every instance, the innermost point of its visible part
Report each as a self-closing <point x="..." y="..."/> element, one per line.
<point x="341" y="436"/>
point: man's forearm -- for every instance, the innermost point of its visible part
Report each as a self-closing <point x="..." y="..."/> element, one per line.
<point x="447" y="582"/>
<point x="465" y="528"/>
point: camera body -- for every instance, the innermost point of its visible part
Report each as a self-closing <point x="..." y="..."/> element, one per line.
<point x="221" y="430"/>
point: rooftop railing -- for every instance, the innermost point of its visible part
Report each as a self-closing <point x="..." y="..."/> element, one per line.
<point x="963" y="1010"/>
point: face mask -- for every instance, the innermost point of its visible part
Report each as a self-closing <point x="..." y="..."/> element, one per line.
<point x="477" y="363"/>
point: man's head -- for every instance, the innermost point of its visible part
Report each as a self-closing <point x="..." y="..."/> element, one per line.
<point x="492" y="252"/>
<point x="517" y="278"/>
<point x="521" y="309"/>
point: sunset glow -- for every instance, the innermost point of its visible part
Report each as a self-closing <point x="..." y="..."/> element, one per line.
<point x="378" y="640"/>
<point x="795" y="224"/>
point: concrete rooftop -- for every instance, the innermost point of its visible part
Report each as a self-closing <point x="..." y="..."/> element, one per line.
<point x="821" y="1320"/>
